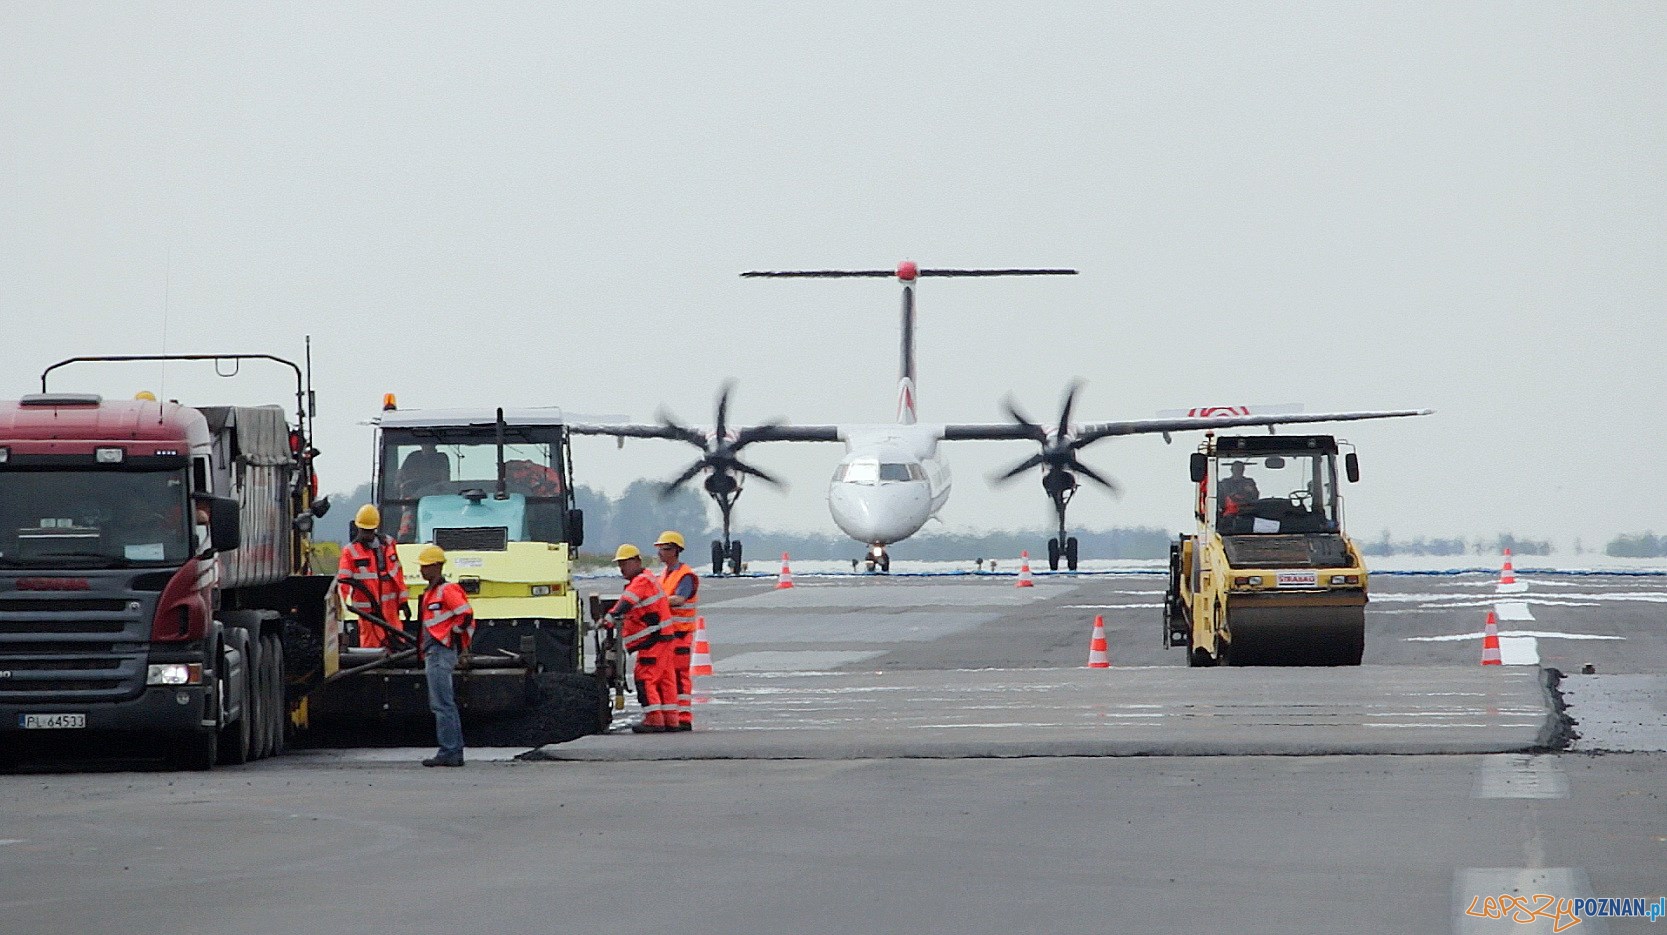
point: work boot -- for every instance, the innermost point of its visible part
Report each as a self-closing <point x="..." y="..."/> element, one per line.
<point x="647" y="729"/>
<point x="439" y="760"/>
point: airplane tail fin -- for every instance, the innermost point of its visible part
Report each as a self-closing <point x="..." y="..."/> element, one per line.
<point x="906" y="368"/>
<point x="907" y="273"/>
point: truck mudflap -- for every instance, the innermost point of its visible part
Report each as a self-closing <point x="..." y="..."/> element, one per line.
<point x="1296" y="629"/>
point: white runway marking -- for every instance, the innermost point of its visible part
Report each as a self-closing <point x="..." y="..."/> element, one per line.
<point x="805" y="661"/>
<point x="1519" y="651"/>
<point x="1516" y="776"/>
<point x="1538" y="634"/>
<point x="1513" y="610"/>
<point x="5" y="841"/>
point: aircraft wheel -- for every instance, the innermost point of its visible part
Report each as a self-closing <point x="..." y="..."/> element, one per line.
<point x="735" y="557"/>
<point x="1071" y="553"/>
<point x="717" y="557"/>
<point x="885" y="564"/>
<point x="1053" y="554"/>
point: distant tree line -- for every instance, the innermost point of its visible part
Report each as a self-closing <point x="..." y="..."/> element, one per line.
<point x="1388" y="545"/>
<point x="1642" y="545"/>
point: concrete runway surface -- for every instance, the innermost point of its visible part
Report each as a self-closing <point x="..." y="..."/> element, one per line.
<point x="1017" y="822"/>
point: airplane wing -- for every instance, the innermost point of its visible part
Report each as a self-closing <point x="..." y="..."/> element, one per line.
<point x="743" y="434"/>
<point x="1095" y="430"/>
<point x="1087" y="432"/>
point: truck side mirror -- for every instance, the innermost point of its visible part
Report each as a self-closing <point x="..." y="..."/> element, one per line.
<point x="320" y="507"/>
<point x="1351" y="467"/>
<point x="225" y="532"/>
<point x="1200" y="467"/>
<point x="575" y="528"/>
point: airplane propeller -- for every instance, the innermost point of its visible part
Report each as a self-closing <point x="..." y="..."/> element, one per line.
<point x="719" y="452"/>
<point x="1059" y="450"/>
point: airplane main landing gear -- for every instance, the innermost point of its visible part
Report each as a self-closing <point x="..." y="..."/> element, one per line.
<point x="730" y="556"/>
<point x="1068" y="552"/>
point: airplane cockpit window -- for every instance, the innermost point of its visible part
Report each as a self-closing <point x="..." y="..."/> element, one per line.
<point x="861" y="472"/>
<point x="897" y="472"/>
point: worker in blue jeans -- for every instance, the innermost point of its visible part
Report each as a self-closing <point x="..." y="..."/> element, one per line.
<point x="447" y="622"/>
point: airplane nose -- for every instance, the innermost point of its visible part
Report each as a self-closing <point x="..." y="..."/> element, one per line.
<point x="879" y="512"/>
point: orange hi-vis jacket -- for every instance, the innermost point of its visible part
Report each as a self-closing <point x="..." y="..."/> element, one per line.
<point x="380" y="581"/>
<point x="683" y="616"/>
<point x="642" y="600"/>
<point x="445" y="611"/>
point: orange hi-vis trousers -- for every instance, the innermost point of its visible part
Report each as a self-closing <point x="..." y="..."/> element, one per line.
<point x="656" y="680"/>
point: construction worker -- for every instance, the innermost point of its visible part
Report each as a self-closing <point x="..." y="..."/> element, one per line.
<point x="644" y="621"/>
<point x="371" y="580"/>
<point x="682" y="587"/>
<point x="447" y="623"/>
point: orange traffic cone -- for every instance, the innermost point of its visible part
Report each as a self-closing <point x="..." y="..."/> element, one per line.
<point x="1490" y="642"/>
<point x="701" y="662"/>
<point x="785" y="579"/>
<point x="1024" y="572"/>
<point x="1097" y="658"/>
<point x="1508" y="583"/>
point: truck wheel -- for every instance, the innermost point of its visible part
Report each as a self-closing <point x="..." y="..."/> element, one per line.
<point x="275" y="700"/>
<point x="235" y="737"/>
<point x="259" y="723"/>
<point x="1071" y="553"/>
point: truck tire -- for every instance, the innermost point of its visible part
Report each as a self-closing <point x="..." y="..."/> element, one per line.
<point x="236" y="737"/>
<point x="258" y="719"/>
<point x="275" y="706"/>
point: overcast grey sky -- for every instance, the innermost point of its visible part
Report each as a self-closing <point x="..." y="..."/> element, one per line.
<point x="1460" y="206"/>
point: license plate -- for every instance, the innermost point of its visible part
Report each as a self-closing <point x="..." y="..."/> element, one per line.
<point x="51" y="721"/>
<point x="1298" y="579"/>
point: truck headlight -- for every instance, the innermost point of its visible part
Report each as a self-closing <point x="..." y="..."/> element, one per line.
<point x="1345" y="579"/>
<point x="174" y="673"/>
<point x="541" y="590"/>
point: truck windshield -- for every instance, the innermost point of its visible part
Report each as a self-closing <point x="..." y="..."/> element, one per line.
<point x="436" y="462"/>
<point x="1277" y="493"/>
<point x="93" y="518"/>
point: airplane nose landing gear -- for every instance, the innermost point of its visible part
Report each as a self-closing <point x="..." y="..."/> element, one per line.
<point x="877" y="559"/>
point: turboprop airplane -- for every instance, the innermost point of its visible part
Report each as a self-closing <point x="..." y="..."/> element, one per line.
<point x="893" y="477"/>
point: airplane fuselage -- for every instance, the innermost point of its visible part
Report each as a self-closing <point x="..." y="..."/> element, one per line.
<point x="889" y="483"/>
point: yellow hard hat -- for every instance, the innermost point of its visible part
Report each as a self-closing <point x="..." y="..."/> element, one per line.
<point x="368" y="517"/>
<point x="626" y="551"/>
<point x="670" y="537"/>
<point x="431" y="555"/>
<point x="145" y="396"/>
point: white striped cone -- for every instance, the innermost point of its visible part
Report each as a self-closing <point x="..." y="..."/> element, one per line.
<point x="1097" y="656"/>
<point x="1508" y="583"/>
<point x="1490" y="642"/>
<point x="1024" y="572"/>
<point x="700" y="663"/>
<point x="785" y="579"/>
